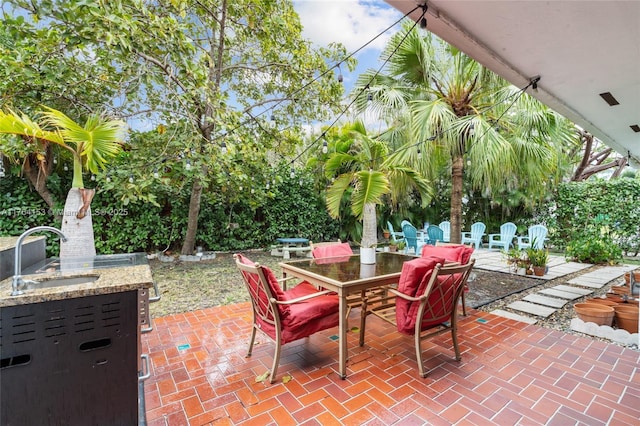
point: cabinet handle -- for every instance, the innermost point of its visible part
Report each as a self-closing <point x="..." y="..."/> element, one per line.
<point x="148" y="329"/>
<point x="157" y="296"/>
<point x="145" y="366"/>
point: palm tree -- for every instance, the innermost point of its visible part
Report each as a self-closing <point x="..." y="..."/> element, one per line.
<point x="364" y="177"/>
<point x="90" y="145"/>
<point x="448" y="111"/>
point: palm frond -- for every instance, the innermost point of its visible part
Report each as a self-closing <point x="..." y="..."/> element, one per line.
<point x="369" y="188"/>
<point x="21" y="125"/>
<point x="335" y="193"/>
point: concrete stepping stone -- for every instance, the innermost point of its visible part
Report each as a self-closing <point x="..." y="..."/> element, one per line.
<point x="570" y="289"/>
<point x="588" y="282"/>
<point x="514" y="316"/>
<point x="561" y="294"/>
<point x="546" y="301"/>
<point x="532" y="308"/>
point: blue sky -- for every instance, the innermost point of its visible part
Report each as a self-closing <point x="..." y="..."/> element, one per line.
<point x="351" y="22"/>
<point x="354" y="23"/>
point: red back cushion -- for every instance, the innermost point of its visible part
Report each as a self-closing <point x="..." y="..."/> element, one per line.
<point x="413" y="279"/>
<point x="274" y="286"/>
<point x="332" y="250"/>
<point x="458" y="253"/>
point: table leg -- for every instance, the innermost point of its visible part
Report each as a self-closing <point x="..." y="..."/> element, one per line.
<point x="285" y="252"/>
<point x="342" y="337"/>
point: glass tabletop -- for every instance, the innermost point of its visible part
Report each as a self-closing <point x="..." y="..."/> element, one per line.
<point x="349" y="268"/>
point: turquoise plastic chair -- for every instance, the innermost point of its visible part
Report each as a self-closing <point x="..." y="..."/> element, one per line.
<point x="475" y="236"/>
<point x="505" y="238"/>
<point x="405" y="222"/>
<point x="536" y="236"/>
<point x="411" y="237"/>
<point x="434" y="234"/>
<point x="446" y="231"/>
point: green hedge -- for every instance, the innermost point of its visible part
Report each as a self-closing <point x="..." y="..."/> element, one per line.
<point x="595" y="215"/>
<point x="293" y="208"/>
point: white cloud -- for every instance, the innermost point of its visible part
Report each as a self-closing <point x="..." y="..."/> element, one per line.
<point x="351" y="22"/>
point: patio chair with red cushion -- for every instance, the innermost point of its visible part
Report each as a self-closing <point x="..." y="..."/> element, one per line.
<point x="453" y="253"/>
<point x="285" y="316"/>
<point x="426" y="301"/>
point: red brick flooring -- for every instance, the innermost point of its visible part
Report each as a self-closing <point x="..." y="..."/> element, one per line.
<point x="510" y="373"/>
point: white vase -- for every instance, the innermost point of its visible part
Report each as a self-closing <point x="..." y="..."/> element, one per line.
<point x="368" y="255"/>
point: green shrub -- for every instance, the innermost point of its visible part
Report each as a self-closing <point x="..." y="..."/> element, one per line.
<point x="594" y="249"/>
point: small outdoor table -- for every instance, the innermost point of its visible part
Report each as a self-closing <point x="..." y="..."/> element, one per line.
<point x="346" y="275"/>
<point x="293" y="244"/>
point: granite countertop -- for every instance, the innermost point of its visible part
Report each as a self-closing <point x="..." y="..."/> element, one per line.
<point x="111" y="280"/>
<point x="7" y="243"/>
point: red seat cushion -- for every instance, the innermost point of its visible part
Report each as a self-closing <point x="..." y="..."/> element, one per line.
<point x="332" y="250"/>
<point x="298" y="320"/>
<point x="413" y="280"/>
<point x="308" y="317"/>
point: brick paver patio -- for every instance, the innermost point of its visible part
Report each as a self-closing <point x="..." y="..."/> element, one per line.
<point x="511" y="373"/>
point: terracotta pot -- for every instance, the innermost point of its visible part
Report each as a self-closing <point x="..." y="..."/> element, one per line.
<point x="632" y="302"/>
<point x="386" y="235"/>
<point x="636" y="277"/>
<point x="594" y="312"/>
<point x="615" y="297"/>
<point x="627" y="317"/>
<point x="538" y="271"/>
<point x="620" y="289"/>
<point x="601" y="301"/>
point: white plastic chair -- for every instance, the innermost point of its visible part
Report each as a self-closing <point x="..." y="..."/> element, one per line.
<point x="446" y="230"/>
<point x="475" y="236"/>
<point x="536" y="236"/>
<point x="505" y="238"/>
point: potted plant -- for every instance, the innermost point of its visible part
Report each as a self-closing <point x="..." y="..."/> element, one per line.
<point x="393" y="246"/>
<point x="401" y="246"/>
<point x="368" y="254"/>
<point x="513" y="257"/>
<point x="538" y="259"/>
<point x="386" y="234"/>
<point x="91" y="145"/>
<point x="360" y="173"/>
<point x="523" y="264"/>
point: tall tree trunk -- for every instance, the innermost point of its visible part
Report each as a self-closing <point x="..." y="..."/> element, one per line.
<point x="37" y="176"/>
<point x="457" y="173"/>
<point x="79" y="232"/>
<point x="192" y="223"/>
<point x="216" y="55"/>
<point x="369" y="226"/>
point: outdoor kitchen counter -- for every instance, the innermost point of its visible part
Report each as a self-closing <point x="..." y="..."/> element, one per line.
<point x="111" y="280"/>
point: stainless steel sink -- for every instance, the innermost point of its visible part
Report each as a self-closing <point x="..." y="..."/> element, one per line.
<point x="59" y="282"/>
<point x="103" y="261"/>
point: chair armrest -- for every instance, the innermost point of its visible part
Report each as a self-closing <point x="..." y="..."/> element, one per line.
<point x="301" y="298"/>
<point x="523" y="239"/>
<point x="492" y="236"/>
<point x="406" y="297"/>
<point x="284" y="281"/>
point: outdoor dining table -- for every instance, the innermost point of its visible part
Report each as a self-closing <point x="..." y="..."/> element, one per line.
<point x="346" y="275"/>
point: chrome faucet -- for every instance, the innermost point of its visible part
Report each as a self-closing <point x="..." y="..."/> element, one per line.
<point x="17" y="271"/>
